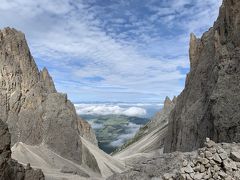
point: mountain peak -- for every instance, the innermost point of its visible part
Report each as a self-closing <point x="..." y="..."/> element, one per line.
<point x="47" y="79"/>
<point x="167" y="101"/>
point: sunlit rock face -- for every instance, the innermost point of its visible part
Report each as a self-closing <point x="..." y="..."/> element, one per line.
<point x="29" y="103"/>
<point x="209" y="104"/>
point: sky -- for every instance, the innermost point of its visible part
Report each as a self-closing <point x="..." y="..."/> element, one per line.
<point x="112" y="50"/>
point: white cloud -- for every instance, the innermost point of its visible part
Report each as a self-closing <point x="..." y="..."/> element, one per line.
<point x="104" y="109"/>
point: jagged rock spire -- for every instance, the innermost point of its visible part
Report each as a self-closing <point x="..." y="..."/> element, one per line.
<point x="195" y="45"/>
<point x="47" y="79"/>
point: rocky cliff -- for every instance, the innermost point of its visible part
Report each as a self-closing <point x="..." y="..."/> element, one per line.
<point x="10" y="169"/>
<point x="34" y="111"/>
<point x="209" y="104"/>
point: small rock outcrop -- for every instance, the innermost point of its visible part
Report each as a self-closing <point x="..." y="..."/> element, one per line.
<point x="212" y="162"/>
<point x="29" y="103"/>
<point x="11" y="169"/>
<point x="209" y="103"/>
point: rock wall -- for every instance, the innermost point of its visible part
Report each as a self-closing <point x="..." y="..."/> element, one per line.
<point x="34" y="111"/>
<point x="209" y="104"/>
<point x="10" y="169"/>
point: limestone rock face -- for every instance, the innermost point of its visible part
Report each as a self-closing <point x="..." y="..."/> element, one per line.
<point x="29" y="103"/>
<point x="10" y="169"/>
<point x="209" y="104"/>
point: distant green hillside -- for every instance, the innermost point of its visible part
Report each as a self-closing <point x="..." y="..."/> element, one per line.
<point x="113" y="128"/>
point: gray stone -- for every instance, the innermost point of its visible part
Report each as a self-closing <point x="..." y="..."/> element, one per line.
<point x="198" y="176"/>
<point x="188" y="169"/>
<point x="222" y="174"/>
<point x="223" y="155"/>
<point x="235" y="156"/>
<point x="212" y="150"/>
<point x="207" y="176"/>
<point x="202" y="168"/>
<point x="185" y="163"/>
<point x="202" y="155"/>
<point x="188" y="177"/>
<point x="197" y="168"/>
<point x="215" y="176"/>
<point x="208" y="155"/>
<point x="204" y="161"/>
<point x="229" y="165"/>
<point x="217" y="158"/>
<point x="216" y="168"/>
<point x="212" y="162"/>
<point x="210" y="143"/>
<point x="167" y="176"/>
<point x="182" y="176"/>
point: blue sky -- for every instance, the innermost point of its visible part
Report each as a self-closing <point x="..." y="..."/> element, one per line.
<point x="112" y="50"/>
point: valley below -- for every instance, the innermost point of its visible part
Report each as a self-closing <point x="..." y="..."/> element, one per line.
<point x="112" y="131"/>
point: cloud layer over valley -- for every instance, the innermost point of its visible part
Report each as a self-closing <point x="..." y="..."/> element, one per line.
<point x="106" y="109"/>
